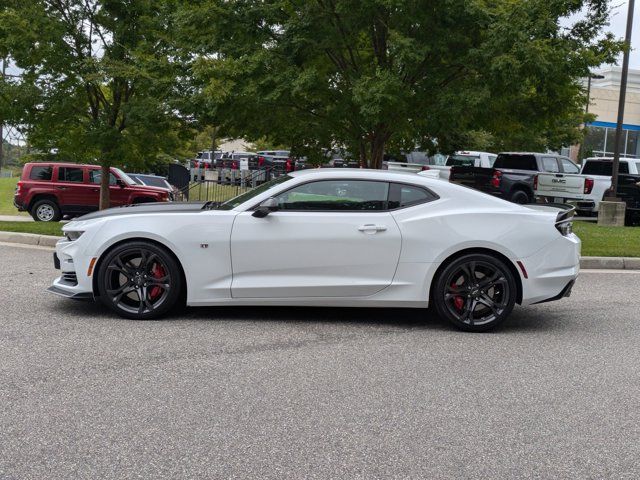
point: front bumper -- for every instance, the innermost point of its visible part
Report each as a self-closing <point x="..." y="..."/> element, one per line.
<point x="73" y="264"/>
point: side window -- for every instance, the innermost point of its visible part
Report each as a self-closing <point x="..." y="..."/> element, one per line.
<point x="336" y="195"/>
<point x="568" y="166"/>
<point x="623" y="167"/>
<point x="550" y="164"/>
<point x="96" y="175"/>
<point x="70" y="174"/>
<point x="401" y="195"/>
<point x="41" y="173"/>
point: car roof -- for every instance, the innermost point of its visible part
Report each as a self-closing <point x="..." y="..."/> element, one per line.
<point x="363" y="173"/>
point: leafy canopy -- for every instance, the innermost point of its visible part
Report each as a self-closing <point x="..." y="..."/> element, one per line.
<point x="390" y="74"/>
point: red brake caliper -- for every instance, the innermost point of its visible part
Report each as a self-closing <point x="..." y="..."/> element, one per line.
<point x="458" y="301"/>
<point x="156" y="272"/>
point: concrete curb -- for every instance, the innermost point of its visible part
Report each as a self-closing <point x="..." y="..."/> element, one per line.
<point x="602" y="263"/>
<point x="29" y="239"/>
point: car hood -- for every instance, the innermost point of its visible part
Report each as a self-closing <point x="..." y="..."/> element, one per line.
<point x="142" y="208"/>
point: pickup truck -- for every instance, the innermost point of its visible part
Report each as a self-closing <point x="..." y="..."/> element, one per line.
<point x="513" y="174"/>
<point x="586" y="189"/>
<point x="629" y="192"/>
<point x="464" y="159"/>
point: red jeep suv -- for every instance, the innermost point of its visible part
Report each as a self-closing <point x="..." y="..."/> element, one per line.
<point x="51" y="190"/>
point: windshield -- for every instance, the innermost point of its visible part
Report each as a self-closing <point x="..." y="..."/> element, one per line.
<point x="124" y="177"/>
<point x="240" y="199"/>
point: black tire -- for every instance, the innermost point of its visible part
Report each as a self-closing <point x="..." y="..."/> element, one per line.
<point x="520" y="196"/>
<point x="46" y="211"/>
<point x="475" y="292"/>
<point x="139" y="280"/>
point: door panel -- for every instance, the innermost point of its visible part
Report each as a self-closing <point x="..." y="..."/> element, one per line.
<point x="311" y="254"/>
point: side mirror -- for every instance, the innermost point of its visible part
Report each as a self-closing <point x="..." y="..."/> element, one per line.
<point x="120" y="183"/>
<point x="266" y="207"/>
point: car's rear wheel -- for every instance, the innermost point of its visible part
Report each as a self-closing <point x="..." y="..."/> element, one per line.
<point x="475" y="292"/>
<point x="46" y="211"/>
<point x="521" y="197"/>
<point x="139" y="280"/>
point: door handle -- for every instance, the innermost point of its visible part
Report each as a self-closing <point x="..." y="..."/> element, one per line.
<point x="95" y="189"/>
<point x="61" y="188"/>
<point x="371" y="228"/>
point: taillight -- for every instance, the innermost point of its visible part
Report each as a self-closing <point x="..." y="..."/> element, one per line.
<point x="19" y="188"/>
<point x="234" y="165"/>
<point x="260" y="161"/>
<point x="425" y="167"/>
<point x="288" y="166"/>
<point x="588" y="185"/>
<point x="451" y="174"/>
<point x="496" y="178"/>
<point x="535" y="182"/>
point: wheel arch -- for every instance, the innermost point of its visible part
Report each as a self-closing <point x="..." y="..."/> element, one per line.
<point x="102" y="256"/>
<point x="521" y="187"/>
<point x="487" y="251"/>
<point x="43" y="196"/>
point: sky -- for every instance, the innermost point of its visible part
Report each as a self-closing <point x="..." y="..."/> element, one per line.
<point x="619" y="25"/>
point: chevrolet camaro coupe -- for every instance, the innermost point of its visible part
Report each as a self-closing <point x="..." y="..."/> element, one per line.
<point x="326" y="237"/>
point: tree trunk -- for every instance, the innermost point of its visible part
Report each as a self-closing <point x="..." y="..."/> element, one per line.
<point x="214" y="139"/>
<point x="363" y="153"/>
<point x="378" y="140"/>
<point x="104" y="187"/>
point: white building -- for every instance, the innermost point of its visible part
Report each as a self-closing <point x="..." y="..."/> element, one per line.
<point x="604" y="104"/>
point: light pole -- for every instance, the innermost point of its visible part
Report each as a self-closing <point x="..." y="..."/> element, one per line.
<point x="623" y="92"/>
<point x="594" y="76"/>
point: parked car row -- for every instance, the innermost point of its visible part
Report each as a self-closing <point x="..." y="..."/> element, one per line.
<point x="49" y="191"/>
<point x="585" y="188"/>
<point x="524" y="177"/>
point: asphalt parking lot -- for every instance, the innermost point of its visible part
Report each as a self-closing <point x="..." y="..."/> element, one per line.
<point x="316" y="393"/>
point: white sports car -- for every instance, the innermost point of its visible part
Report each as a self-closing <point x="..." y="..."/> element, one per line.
<point x="326" y="237"/>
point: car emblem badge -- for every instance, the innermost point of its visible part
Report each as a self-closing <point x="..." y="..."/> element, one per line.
<point x="204" y="245"/>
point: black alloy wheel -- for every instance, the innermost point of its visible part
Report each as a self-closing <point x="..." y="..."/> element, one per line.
<point x="475" y="292"/>
<point x="139" y="280"/>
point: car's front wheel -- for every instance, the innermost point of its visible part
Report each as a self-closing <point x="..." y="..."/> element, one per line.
<point x="46" y="211"/>
<point x="139" y="280"/>
<point x="475" y="292"/>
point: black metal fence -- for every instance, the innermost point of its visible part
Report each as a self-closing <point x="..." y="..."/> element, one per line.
<point x="221" y="184"/>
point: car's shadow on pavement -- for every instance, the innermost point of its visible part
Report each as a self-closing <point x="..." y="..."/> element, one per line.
<point x="521" y="319"/>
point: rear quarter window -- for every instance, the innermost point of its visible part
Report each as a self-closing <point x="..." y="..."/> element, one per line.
<point x="401" y="195"/>
<point x="516" y="162"/>
<point x="41" y="173"/>
<point x="603" y="167"/>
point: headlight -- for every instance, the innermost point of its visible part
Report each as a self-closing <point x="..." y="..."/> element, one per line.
<point x="73" y="235"/>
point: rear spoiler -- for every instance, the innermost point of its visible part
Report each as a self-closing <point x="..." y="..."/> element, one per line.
<point x="565" y="211"/>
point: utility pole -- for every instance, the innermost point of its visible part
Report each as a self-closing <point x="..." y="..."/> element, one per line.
<point x="594" y="76"/>
<point x="623" y="93"/>
<point x="4" y="70"/>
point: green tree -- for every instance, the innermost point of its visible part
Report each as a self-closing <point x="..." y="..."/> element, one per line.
<point x="96" y="79"/>
<point x="388" y="74"/>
